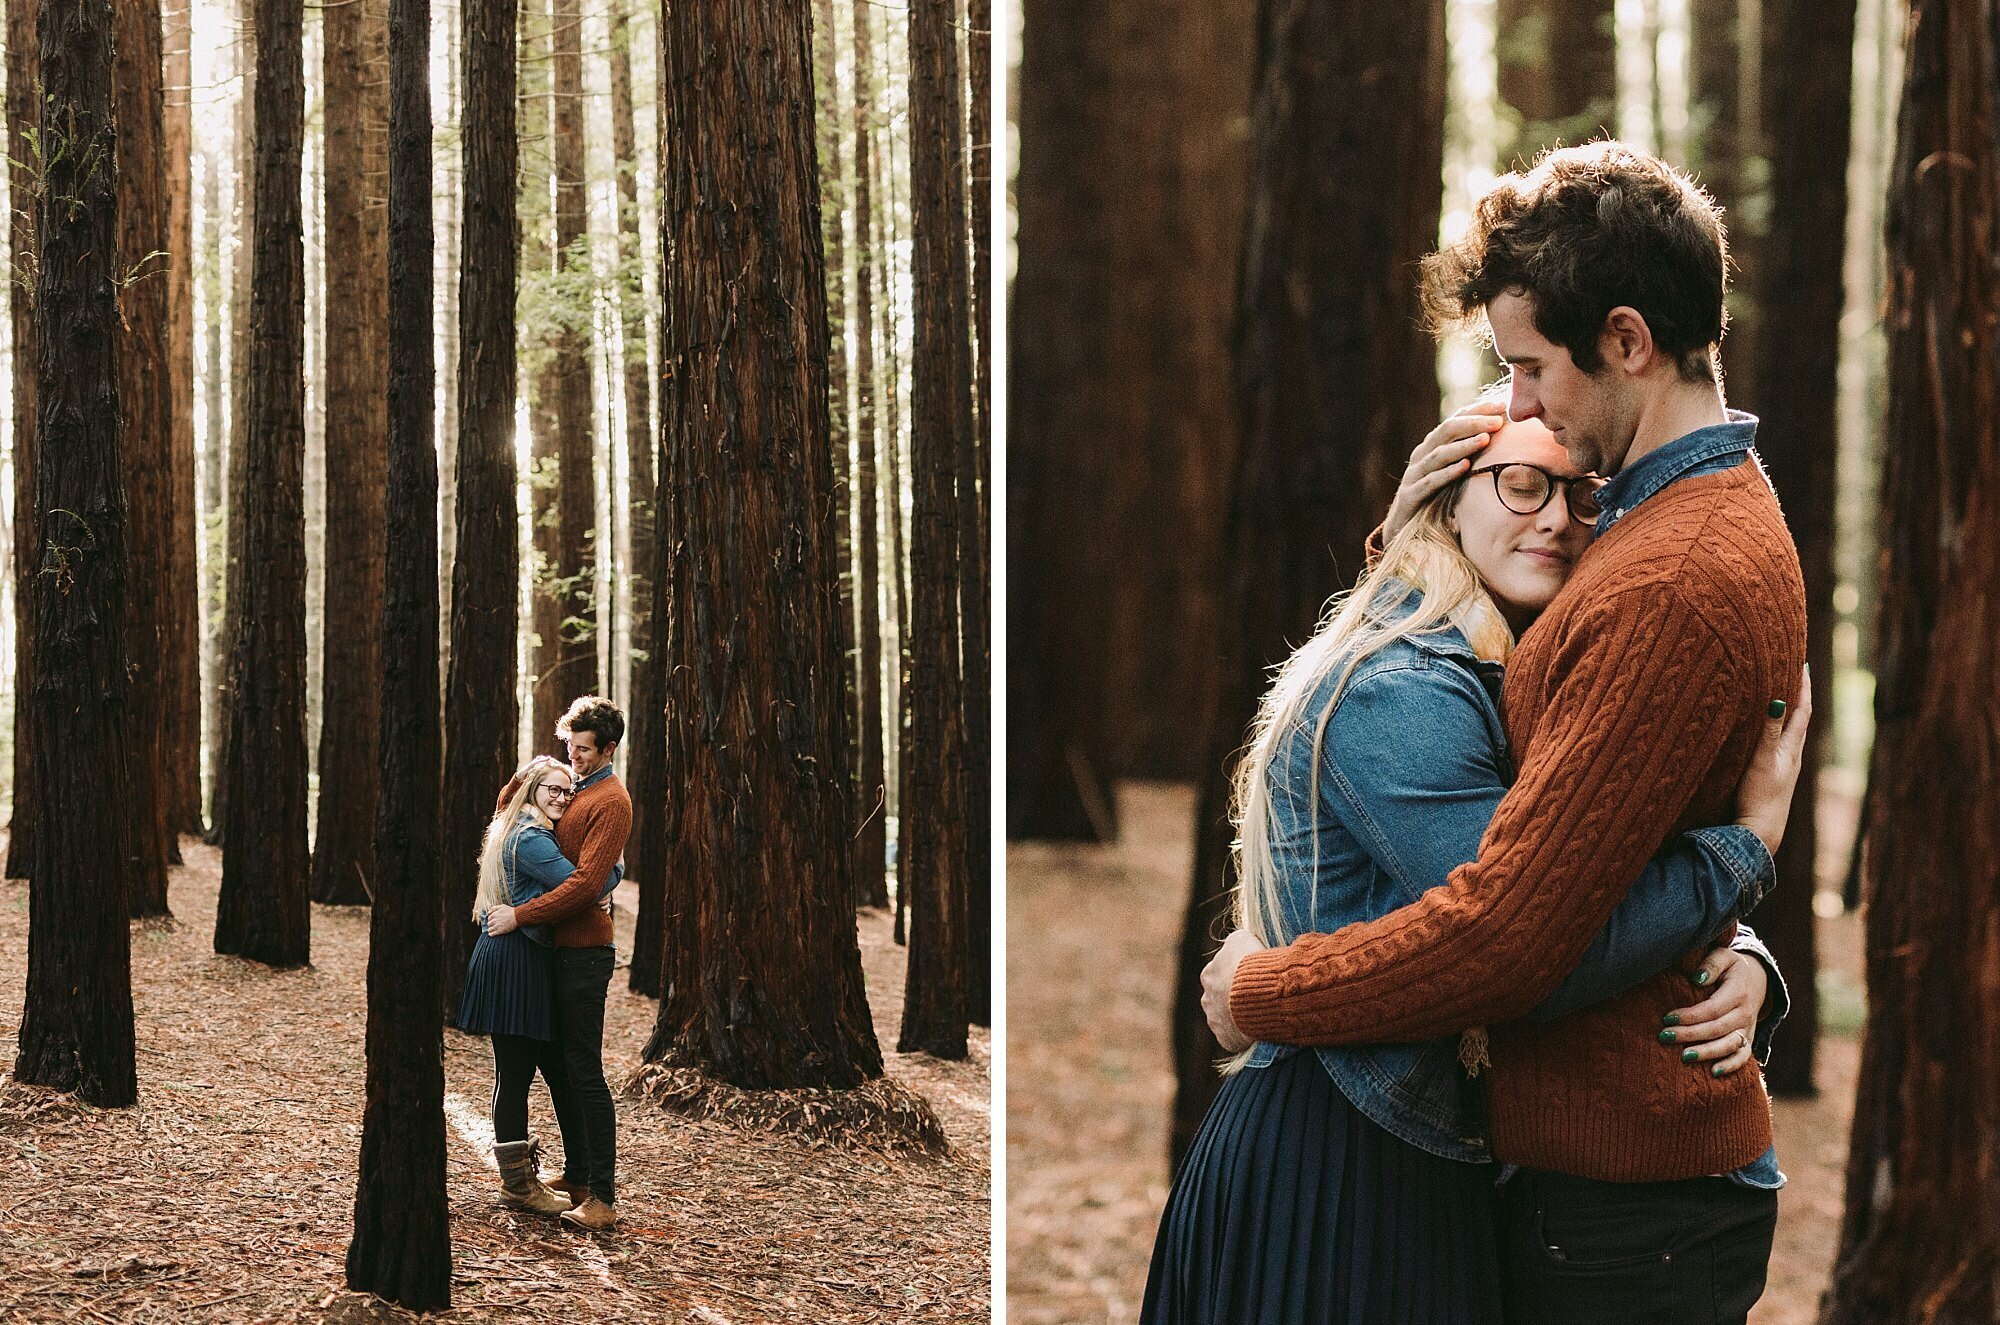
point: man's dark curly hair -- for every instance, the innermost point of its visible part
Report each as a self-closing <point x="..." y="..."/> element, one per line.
<point x="1585" y="230"/>
<point x="595" y="714"/>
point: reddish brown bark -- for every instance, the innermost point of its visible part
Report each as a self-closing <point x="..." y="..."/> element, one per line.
<point x="871" y="840"/>
<point x="357" y="426"/>
<point x="1558" y="71"/>
<point x="181" y="645"/>
<point x="23" y="111"/>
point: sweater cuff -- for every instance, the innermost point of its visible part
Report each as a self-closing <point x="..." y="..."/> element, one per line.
<point x="1254" y="994"/>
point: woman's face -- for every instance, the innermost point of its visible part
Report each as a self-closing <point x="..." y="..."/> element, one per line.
<point x="553" y="796"/>
<point x="1524" y="559"/>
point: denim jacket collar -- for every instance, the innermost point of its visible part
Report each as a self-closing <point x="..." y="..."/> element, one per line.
<point x="1715" y="447"/>
<point x="1447" y="641"/>
<point x="594" y="778"/>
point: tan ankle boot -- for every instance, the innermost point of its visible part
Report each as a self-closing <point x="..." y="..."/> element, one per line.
<point x="574" y="1192"/>
<point x="593" y="1215"/>
<point x="520" y="1187"/>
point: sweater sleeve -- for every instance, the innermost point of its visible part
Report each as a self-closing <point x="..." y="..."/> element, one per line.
<point x="1646" y="698"/>
<point x="603" y="844"/>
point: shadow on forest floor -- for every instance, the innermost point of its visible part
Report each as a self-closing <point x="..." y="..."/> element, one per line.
<point x="226" y="1194"/>
<point x="1092" y="935"/>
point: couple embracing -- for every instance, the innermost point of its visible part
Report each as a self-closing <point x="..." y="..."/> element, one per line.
<point x="542" y="965"/>
<point x="1497" y="1029"/>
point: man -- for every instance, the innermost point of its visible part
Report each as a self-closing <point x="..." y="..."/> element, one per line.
<point x="1635" y="1183"/>
<point x="592" y="835"/>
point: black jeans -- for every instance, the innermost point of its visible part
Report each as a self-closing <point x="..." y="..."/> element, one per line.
<point x="516" y="1059"/>
<point x="583" y="976"/>
<point x="1578" y="1252"/>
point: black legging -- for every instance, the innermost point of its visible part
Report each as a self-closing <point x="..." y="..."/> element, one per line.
<point x="516" y="1059"/>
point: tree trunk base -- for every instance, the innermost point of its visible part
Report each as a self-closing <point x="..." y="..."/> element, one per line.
<point x="878" y="1116"/>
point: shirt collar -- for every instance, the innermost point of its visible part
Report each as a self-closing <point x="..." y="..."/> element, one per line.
<point x="1656" y="469"/>
<point x="595" y="778"/>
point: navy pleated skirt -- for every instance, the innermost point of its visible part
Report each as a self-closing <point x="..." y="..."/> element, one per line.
<point x="509" y="988"/>
<point x="1294" y="1208"/>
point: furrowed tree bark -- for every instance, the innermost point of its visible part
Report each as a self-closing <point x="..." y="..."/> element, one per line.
<point x="482" y="710"/>
<point x="767" y="990"/>
<point x="401" y="1249"/>
<point x="76" y="1018"/>
<point x="1926" y="1137"/>
<point x="146" y="442"/>
<point x="23" y="112"/>
<point x="357" y="313"/>
<point x="936" y="822"/>
<point x="216" y="440"/>
<point x="262" y="912"/>
<point x="537" y="213"/>
<point x="974" y="598"/>
<point x="1558" y="73"/>
<point x="1059" y="758"/>
<point x="1803" y="258"/>
<point x="181" y="649"/>
<point x="871" y="840"/>
<point x="1334" y="379"/>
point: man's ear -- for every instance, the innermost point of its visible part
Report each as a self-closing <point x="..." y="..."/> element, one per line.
<point x="1626" y="342"/>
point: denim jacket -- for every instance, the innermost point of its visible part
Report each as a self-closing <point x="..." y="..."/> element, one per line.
<point x="1415" y="763"/>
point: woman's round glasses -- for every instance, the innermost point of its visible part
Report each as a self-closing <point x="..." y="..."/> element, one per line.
<point x="558" y="792"/>
<point x="1524" y="489"/>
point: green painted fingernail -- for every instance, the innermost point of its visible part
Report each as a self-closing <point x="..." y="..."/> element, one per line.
<point x="1690" y="1056"/>
<point x="1668" y="1037"/>
<point x="1777" y="709"/>
<point x="1672" y="1019"/>
<point x="1715" y="1071"/>
<point x="1703" y="976"/>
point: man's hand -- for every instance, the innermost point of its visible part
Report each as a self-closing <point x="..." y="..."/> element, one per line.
<point x="500" y="920"/>
<point x="1216" y="977"/>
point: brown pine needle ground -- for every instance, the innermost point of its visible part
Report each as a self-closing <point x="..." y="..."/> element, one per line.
<point x="1092" y="937"/>
<point x="226" y="1194"/>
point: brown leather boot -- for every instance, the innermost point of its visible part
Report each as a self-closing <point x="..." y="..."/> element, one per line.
<point x="575" y="1193"/>
<point x="519" y="1185"/>
<point x="593" y="1215"/>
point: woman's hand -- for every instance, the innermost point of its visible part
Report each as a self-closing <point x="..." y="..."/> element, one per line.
<point x="1442" y="458"/>
<point x="1216" y="978"/>
<point x="500" y="920"/>
<point x="1719" y="1029"/>
<point x="1764" y="796"/>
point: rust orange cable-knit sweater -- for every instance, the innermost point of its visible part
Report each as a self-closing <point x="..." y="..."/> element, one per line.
<point x="592" y="833"/>
<point x="1633" y="706"/>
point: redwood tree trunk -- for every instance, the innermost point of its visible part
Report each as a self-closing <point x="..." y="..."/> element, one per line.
<point x="1558" y="72"/>
<point x="262" y="912"/>
<point x="401" y="1249"/>
<point x="23" y="112"/>
<point x="76" y="1020"/>
<point x="146" y="443"/>
<point x="974" y="598"/>
<point x="575" y="668"/>
<point x="871" y="841"/>
<point x="769" y="993"/>
<point x="482" y="711"/>
<point x="1334" y="380"/>
<point x="357" y="425"/>
<point x="935" y="802"/>
<point x="1922" y="1226"/>
<point x="1059" y="759"/>
<point x="181" y="648"/>
<point x="1721" y="70"/>
<point x="1803" y="259"/>
<point x="537" y="239"/>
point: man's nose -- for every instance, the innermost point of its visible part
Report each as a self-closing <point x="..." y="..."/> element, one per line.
<point x="1522" y="405"/>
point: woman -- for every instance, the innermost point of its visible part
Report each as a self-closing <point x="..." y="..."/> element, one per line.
<point x="508" y="989"/>
<point x="1354" y="1184"/>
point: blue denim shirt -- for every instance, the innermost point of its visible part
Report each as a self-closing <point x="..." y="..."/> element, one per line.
<point x="1414" y="765"/>
<point x="1708" y="450"/>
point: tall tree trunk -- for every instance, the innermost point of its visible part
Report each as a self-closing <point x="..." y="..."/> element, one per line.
<point x="445" y="213"/>
<point x="482" y="710"/>
<point x="23" y="113"/>
<point x="1730" y="142"/>
<point x="537" y="212"/>
<point x="181" y="647"/>
<point x="936" y="800"/>
<point x="1922" y="1226"/>
<point x="262" y="911"/>
<point x="871" y="841"/>
<point x="357" y="419"/>
<point x="1334" y="380"/>
<point x="214" y="637"/>
<point x="778" y="999"/>
<point x="146" y="442"/>
<point x="575" y="661"/>
<point x="1059" y="759"/>
<point x="1558" y="73"/>
<point x="76" y="1019"/>
<point x="401" y="1249"/>
<point x="974" y="596"/>
<point x="1803" y="259"/>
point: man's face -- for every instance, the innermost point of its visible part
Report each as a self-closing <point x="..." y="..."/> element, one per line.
<point x="1585" y="411"/>
<point x="585" y="757"/>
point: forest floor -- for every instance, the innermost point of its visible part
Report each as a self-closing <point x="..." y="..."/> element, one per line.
<point x="226" y="1194"/>
<point x="1092" y="937"/>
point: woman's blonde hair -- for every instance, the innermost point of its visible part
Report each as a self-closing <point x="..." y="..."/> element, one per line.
<point x="492" y="868"/>
<point x="1423" y="558"/>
